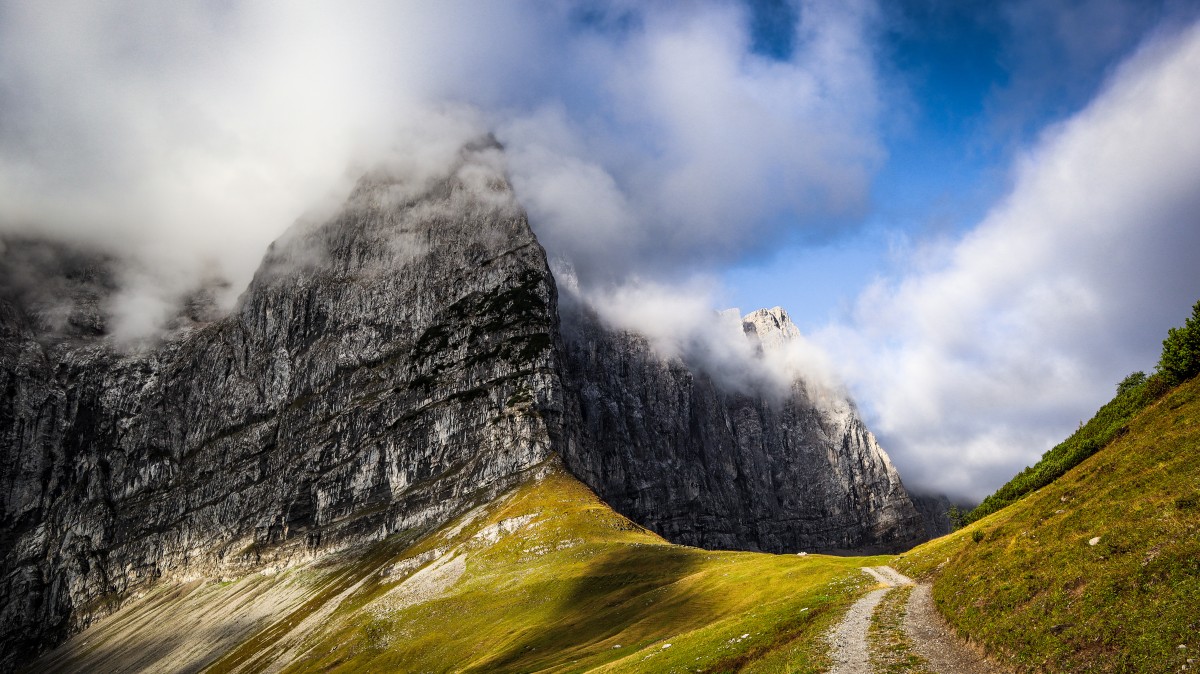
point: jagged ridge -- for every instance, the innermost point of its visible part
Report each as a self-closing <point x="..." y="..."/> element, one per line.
<point x="666" y="445"/>
<point x="384" y="371"/>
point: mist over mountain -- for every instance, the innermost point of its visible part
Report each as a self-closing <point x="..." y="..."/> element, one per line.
<point x="965" y="209"/>
<point x="502" y="336"/>
<point x="387" y="369"/>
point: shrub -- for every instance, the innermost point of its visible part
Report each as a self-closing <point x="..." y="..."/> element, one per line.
<point x="1131" y="382"/>
<point x="1156" y="387"/>
<point x="1180" y="358"/>
<point x="956" y="516"/>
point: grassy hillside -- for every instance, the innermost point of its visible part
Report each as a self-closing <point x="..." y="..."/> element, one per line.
<point x="546" y="578"/>
<point x="1178" y="362"/>
<point x="1099" y="571"/>
<point x="1107" y="424"/>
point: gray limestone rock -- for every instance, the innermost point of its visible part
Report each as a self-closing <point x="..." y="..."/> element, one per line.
<point x="385" y="370"/>
<point x="703" y="465"/>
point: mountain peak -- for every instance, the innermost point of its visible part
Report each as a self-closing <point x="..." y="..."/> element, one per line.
<point x="773" y="327"/>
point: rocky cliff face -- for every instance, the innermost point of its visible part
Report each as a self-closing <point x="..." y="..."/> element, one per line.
<point x="704" y="465"/>
<point x="385" y="369"/>
<point x="935" y="510"/>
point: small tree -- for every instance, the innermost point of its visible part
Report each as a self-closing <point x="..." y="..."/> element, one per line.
<point x="956" y="517"/>
<point x="1131" y="382"/>
<point x="1180" y="358"/>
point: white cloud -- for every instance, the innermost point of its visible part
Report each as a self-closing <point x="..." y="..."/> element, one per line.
<point x="971" y="364"/>
<point x="647" y="143"/>
<point x="643" y="139"/>
<point x="690" y="150"/>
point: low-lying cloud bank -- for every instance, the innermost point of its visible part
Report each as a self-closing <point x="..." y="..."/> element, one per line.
<point x="184" y="138"/>
<point x="991" y="348"/>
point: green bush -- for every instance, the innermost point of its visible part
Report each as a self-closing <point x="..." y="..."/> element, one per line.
<point x="1131" y="382"/>
<point x="1156" y="387"/>
<point x="1180" y="358"/>
<point x="957" y="517"/>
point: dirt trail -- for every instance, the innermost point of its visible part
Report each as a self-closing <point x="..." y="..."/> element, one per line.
<point x="849" y="639"/>
<point x="932" y="640"/>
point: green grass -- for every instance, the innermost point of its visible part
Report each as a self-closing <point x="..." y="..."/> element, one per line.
<point x="565" y="584"/>
<point x="582" y="588"/>
<point x="1027" y="583"/>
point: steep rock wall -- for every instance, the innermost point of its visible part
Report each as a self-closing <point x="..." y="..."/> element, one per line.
<point x="384" y="369"/>
<point x="702" y="465"/>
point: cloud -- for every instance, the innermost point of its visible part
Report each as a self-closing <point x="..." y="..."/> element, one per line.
<point x="769" y="360"/>
<point x="700" y="151"/>
<point x="184" y="138"/>
<point x="987" y="352"/>
<point x="651" y="143"/>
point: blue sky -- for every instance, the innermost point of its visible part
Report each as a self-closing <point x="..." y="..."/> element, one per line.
<point x="966" y="100"/>
<point x="982" y="215"/>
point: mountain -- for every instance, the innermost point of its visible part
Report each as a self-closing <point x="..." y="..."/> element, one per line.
<point x="939" y="513"/>
<point x="386" y="371"/>
<point x="545" y="577"/>
<point x="1098" y="570"/>
<point x="715" y="467"/>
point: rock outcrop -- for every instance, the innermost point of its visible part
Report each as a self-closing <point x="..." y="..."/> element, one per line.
<point x="385" y="370"/>
<point x="704" y="465"/>
<point x="938" y="512"/>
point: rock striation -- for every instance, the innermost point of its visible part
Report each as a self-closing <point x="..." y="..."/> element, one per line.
<point x="706" y="465"/>
<point x="386" y="369"/>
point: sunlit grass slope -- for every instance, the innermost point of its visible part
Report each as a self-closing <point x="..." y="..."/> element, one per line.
<point x="1097" y="572"/>
<point x="545" y="578"/>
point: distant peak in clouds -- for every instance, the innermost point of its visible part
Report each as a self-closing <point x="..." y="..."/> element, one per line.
<point x="994" y="201"/>
<point x="979" y="360"/>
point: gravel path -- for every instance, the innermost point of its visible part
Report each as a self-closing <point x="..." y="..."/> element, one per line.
<point x="849" y="638"/>
<point x="932" y="638"/>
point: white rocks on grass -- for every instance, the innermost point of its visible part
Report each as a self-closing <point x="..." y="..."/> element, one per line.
<point x="492" y="533"/>
<point x="425" y="585"/>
